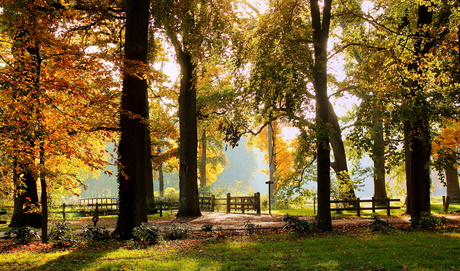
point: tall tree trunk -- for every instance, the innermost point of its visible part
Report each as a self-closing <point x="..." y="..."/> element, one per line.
<point x="161" y="178"/>
<point x="134" y="162"/>
<point x="340" y="158"/>
<point x="378" y="156"/>
<point x="453" y="189"/>
<point x="44" y="195"/>
<point x="272" y="164"/>
<point x="149" y="189"/>
<point x="203" y="159"/>
<point x="407" y="164"/>
<point x="188" y="145"/>
<point x="419" y="135"/>
<point x="320" y="37"/>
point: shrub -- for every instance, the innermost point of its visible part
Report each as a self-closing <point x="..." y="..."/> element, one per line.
<point x="296" y="224"/>
<point x="207" y="227"/>
<point x="378" y="224"/>
<point x="428" y="221"/>
<point x="22" y="235"/>
<point x="177" y="231"/>
<point x="61" y="234"/>
<point x="251" y="228"/>
<point x="149" y="234"/>
<point x="95" y="234"/>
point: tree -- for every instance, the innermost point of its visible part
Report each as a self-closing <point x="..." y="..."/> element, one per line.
<point x="321" y="25"/>
<point x="196" y="30"/>
<point x="134" y="148"/>
<point x="406" y="42"/>
<point x="47" y="92"/>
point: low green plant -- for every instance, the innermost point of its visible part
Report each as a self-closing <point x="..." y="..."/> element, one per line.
<point x="176" y="231"/>
<point x="296" y="224"/>
<point x="95" y="234"/>
<point x="207" y="227"/>
<point x="61" y="234"/>
<point x="251" y="228"/>
<point x="22" y="235"/>
<point x="427" y="221"/>
<point x="146" y="233"/>
<point x="378" y="224"/>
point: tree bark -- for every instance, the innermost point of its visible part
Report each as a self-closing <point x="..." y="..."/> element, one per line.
<point x="419" y="127"/>
<point x="378" y="156"/>
<point x="340" y="158"/>
<point x="320" y="37"/>
<point x="133" y="160"/>
<point x="203" y="159"/>
<point x="188" y="145"/>
<point x="453" y="189"/>
<point x="26" y="196"/>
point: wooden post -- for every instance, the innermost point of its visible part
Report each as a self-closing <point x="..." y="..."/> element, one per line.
<point x="63" y="211"/>
<point x="96" y="215"/>
<point x="388" y="206"/>
<point x="314" y="205"/>
<point x="161" y="208"/>
<point x="446" y="203"/>
<point x="213" y="199"/>
<point x="358" y="207"/>
<point x="228" y="202"/>
<point x="373" y="205"/>
<point x="257" y="203"/>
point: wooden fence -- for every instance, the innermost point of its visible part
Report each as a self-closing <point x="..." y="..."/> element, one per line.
<point x="209" y="203"/>
<point x="355" y="205"/>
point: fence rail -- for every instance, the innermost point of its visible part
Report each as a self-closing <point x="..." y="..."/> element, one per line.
<point x="355" y="205"/>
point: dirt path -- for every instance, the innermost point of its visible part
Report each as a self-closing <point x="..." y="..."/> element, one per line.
<point x="237" y="221"/>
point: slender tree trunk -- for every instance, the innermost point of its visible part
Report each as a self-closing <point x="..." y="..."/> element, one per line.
<point x="134" y="162"/>
<point x="378" y="156"/>
<point x="44" y="195"/>
<point x="188" y="183"/>
<point x="321" y="25"/>
<point x="203" y="140"/>
<point x="340" y="164"/>
<point x="272" y="163"/>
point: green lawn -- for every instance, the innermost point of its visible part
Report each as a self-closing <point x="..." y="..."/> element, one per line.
<point x="353" y="250"/>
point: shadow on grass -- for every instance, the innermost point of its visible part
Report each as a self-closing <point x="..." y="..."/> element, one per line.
<point x="84" y="257"/>
<point x="397" y="251"/>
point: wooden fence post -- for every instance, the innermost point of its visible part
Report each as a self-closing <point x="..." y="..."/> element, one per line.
<point x="373" y="204"/>
<point x="359" y="207"/>
<point x="228" y="202"/>
<point x="257" y="196"/>
<point x="388" y="206"/>
<point x="63" y="211"/>
<point x="213" y="199"/>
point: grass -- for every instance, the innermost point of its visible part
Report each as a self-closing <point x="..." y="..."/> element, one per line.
<point x="339" y="250"/>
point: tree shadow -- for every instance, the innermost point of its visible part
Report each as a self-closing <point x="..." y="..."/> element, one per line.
<point x="82" y="257"/>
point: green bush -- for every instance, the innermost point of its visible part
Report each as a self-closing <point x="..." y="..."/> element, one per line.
<point x="22" y="235"/>
<point x="95" y="234"/>
<point x="146" y="233"/>
<point x="427" y="221"/>
<point x="61" y="234"/>
<point x="296" y="224"/>
<point x="177" y="231"/>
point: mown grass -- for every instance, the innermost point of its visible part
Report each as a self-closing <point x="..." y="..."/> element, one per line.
<point x="351" y="250"/>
